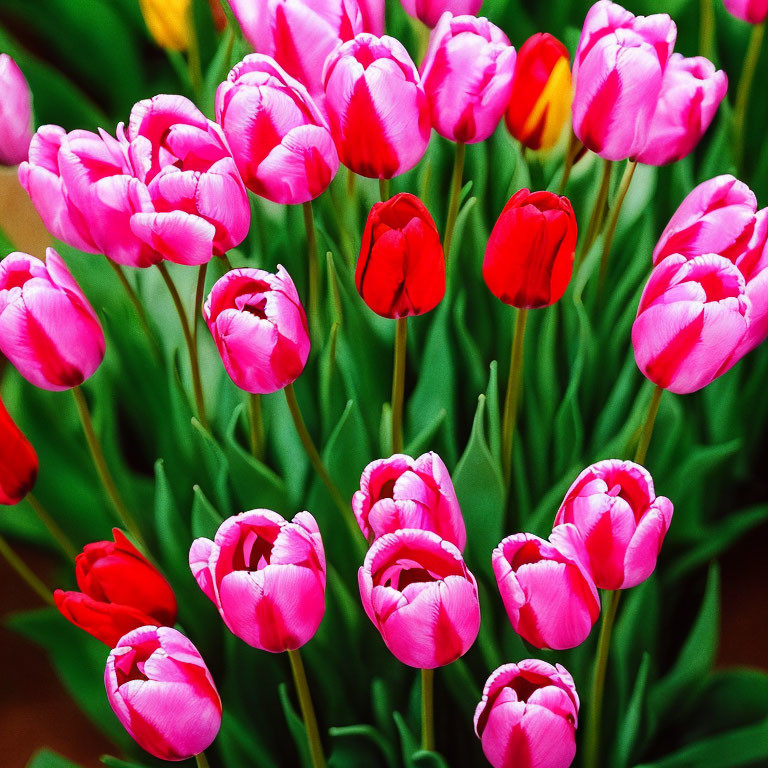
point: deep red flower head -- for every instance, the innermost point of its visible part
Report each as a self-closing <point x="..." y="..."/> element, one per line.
<point x="18" y="461"/>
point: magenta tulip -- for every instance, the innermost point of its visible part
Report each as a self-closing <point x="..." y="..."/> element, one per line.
<point x="162" y="693"/>
<point x="260" y="328"/>
<point x="266" y="576"/>
<point x="48" y="330"/>
<point x="546" y="587"/>
<point x="15" y="113"/>
<point x="430" y="11"/>
<point x="421" y="597"/>
<point x="377" y="107"/>
<point x="753" y="11"/>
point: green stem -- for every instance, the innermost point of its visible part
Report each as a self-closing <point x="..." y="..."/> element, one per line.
<point x="97" y="454"/>
<point x="351" y="183"/>
<point x="61" y="538"/>
<point x="598" y="213"/>
<point x="707" y="29"/>
<point x="137" y="305"/>
<point x="570" y="157"/>
<point x="25" y="572"/>
<point x="428" y="710"/>
<point x="626" y="180"/>
<point x="384" y="189"/>
<point x="312" y="268"/>
<point x="307" y="709"/>
<point x="201" y="760"/>
<point x="650" y="420"/>
<point x="592" y="736"/>
<point x="197" y="312"/>
<point x="745" y="86"/>
<point x="514" y="382"/>
<point x="257" y="427"/>
<point x="398" y="384"/>
<point x="453" y="207"/>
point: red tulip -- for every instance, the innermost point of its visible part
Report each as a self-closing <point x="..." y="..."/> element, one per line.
<point x="18" y="461"/>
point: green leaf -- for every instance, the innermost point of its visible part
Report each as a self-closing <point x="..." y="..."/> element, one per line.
<point x="114" y="762"/>
<point x="627" y="732"/>
<point x="371" y="734"/>
<point x="205" y="518"/>
<point x="45" y="758"/>
<point x="295" y="726"/>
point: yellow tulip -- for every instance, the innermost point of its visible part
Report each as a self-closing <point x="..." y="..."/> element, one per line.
<point x="168" y="22"/>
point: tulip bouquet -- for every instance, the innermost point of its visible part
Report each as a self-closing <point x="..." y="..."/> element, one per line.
<point x="391" y="383"/>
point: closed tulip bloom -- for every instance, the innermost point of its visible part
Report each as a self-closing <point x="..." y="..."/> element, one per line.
<point x="120" y="590"/>
<point x="279" y="138"/>
<point x="529" y="257"/>
<point x="421" y="597"/>
<point x="692" y="317"/>
<point x="162" y="692"/>
<point x="260" y="328"/>
<point x="48" y="330"/>
<point x="401" y="492"/>
<point x="168" y="22"/>
<point x="401" y="268"/>
<point x="618" y="71"/>
<point x="430" y="11"/>
<point x="546" y="587"/>
<point x="18" y="461"/>
<point x="753" y="11"/>
<point x="691" y="92"/>
<point x="467" y="76"/>
<point x="621" y="520"/>
<point x="266" y="576"/>
<point x="377" y="108"/>
<point x="15" y="113"/>
<point x="542" y="93"/>
<point x="528" y="716"/>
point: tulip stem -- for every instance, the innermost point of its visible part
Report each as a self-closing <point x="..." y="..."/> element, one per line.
<point x="197" y="311"/>
<point x="137" y="305"/>
<point x="707" y="29"/>
<point x="61" y="538"/>
<point x="745" y="86"/>
<point x="307" y="710"/>
<point x="197" y="384"/>
<point x="592" y="736"/>
<point x="25" y="572"/>
<point x="312" y="269"/>
<point x="384" y="189"/>
<point x="453" y="207"/>
<point x="97" y="454"/>
<point x="598" y="213"/>
<point x="626" y="180"/>
<point x="257" y="427"/>
<point x="398" y="384"/>
<point x="428" y="710"/>
<point x="650" y="420"/>
<point x="514" y="382"/>
<point x="570" y="158"/>
<point x="201" y="760"/>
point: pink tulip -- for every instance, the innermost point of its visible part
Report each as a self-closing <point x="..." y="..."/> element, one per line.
<point x="299" y="34"/>
<point x="621" y="520"/>
<point x="15" y="113"/>
<point x="618" y="71"/>
<point x="421" y="597"/>
<point x="546" y="587"/>
<point x="718" y="216"/>
<point x="691" y="92"/>
<point x="430" y="11"/>
<point x="467" y="76"/>
<point x="162" y="693"/>
<point x="528" y="716"/>
<point x="48" y="330"/>
<point x="373" y="13"/>
<point x="692" y="317"/>
<point x="377" y="107"/>
<point x="260" y="328"/>
<point x="401" y="492"/>
<point x="279" y="138"/>
<point x="266" y="576"/>
<point x="753" y="11"/>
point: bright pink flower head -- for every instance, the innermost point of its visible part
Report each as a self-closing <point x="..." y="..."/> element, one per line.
<point x="692" y="317"/>
<point x="618" y="71"/>
<point x="430" y="11"/>
<point x="546" y="587"/>
<point x="279" y="138"/>
<point x="260" y="328"/>
<point x="48" y="330"/>
<point x="528" y="716"/>
<point x="377" y="107"/>
<point x="621" y="520"/>
<point x="162" y="693"/>
<point x="421" y="596"/>
<point x="401" y="492"/>
<point x="266" y="576"/>
<point x="753" y="11"/>
<point x="718" y="216"/>
<point x="299" y="34"/>
<point x="467" y="76"/>
<point x="691" y="92"/>
<point x="15" y="113"/>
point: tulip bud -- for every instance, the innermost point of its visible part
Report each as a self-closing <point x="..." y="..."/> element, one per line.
<point x="753" y="11"/>
<point x="529" y="257"/>
<point x="378" y="111"/>
<point x="542" y="93"/>
<point x="48" y="330"/>
<point x="266" y="576"/>
<point x="430" y="11"/>
<point x="467" y="76"/>
<point x="279" y="138"/>
<point x="168" y="22"/>
<point x="162" y="693"/>
<point x="401" y="492"/>
<point x="547" y="588"/>
<point x="421" y="597"/>
<point x="401" y="268"/>
<point x="120" y="590"/>
<point x="18" y="461"/>
<point x="621" y="520"/>
<point x="618" y="70"/>
<point x="260" y="328"/>
<point x="691" y="318"/>
<point x="15" y="113"/>
<point x="528" y="716"/>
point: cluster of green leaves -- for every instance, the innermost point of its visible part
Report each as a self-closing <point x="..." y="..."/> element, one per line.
<point x="583" y="400"/>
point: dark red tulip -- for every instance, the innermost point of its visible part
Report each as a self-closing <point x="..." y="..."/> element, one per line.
<point x="18" y="461"/>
